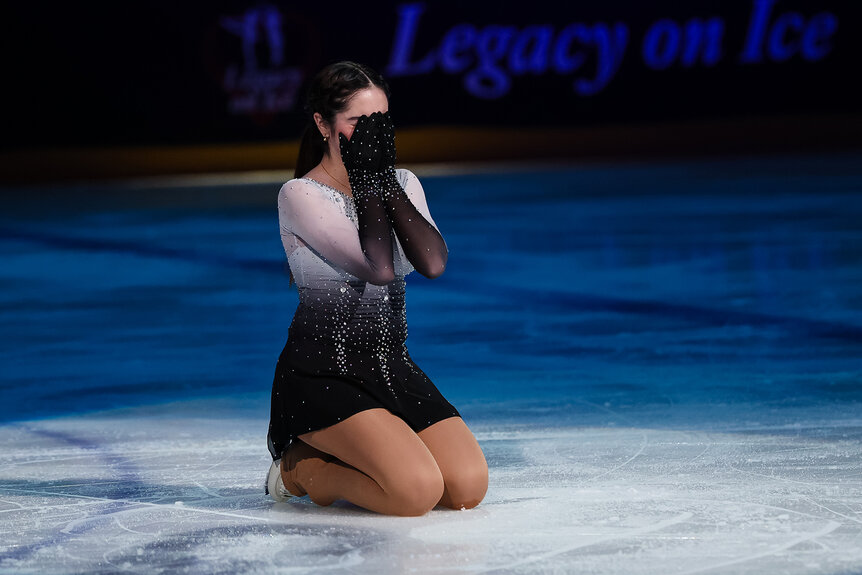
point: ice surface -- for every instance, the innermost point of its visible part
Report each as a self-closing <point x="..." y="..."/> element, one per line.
<point x="158" y="491"/>
<point x="661" y="362"/>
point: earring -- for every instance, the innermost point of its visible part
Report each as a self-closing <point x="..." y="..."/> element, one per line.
<point x="325" y="138"/>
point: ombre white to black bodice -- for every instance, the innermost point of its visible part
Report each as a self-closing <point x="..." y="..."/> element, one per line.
<point x="346" y="350"/>
<point x="319" y="228"/>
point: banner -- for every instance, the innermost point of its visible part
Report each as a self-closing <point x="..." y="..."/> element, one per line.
<point x="236" y="71"/>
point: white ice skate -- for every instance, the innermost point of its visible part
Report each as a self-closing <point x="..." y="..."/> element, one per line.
<point x="275" y="484"/>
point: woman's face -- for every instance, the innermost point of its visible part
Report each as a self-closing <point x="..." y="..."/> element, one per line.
<point x="364" y="103"/>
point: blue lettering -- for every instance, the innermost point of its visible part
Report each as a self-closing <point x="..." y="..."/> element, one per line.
<point x="611" y="47"/>
<point x="564" y="61"/>
<point x="702" y="41"/>
<point x="488" y="80"/>
<point x="454" y="57"/>
<point x="489" y="57"/>
<point x="752" y="53"/>
<point x="815" y="40"/>
<point x="405" y="33"/>
<point x="661" y="44"/>
<point x="779" y="50"/>
<point x="530" y="51"/>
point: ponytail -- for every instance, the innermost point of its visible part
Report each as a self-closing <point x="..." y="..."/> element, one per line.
<point x="311" y="150"/>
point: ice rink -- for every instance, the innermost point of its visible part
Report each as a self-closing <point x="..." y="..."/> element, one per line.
<point x="662" y="363"/>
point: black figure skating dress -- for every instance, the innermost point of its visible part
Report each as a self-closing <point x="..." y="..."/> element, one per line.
<point x="346" y="349"/>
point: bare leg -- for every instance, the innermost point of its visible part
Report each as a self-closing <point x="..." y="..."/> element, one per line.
<point x="377" y="462"/>
<point x="461" y="461"/>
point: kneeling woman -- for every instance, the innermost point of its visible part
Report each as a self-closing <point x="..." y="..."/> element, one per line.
<point x="353" y="417"/>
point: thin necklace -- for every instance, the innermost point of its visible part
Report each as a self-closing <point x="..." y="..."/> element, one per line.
<point x="345" y="186"/>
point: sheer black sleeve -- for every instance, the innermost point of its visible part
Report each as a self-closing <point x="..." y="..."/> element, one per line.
<point x="362" y="156"/>
<point x="417" y="234"/>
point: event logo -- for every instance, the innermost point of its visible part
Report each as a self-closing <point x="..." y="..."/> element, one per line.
<point x="260" y="82"/>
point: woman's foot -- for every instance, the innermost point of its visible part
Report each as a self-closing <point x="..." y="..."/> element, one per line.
<point x="274" y="486"/>
<point x="299" y="464"/>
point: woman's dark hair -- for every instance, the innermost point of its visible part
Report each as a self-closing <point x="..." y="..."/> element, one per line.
<point x="328" y="94"/>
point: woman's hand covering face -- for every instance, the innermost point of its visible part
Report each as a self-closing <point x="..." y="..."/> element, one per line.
<point x="387" y="140"/>
<point x="364" y="150"/>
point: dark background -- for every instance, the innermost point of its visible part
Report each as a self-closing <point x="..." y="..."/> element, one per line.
<point x="151" y="73"/>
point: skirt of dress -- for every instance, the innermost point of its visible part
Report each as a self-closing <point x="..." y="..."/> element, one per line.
<point x="316" y="386"/>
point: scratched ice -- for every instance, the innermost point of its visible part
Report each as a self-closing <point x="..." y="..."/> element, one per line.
<point x="661" y="363"/>
<point x="140" y="493"/>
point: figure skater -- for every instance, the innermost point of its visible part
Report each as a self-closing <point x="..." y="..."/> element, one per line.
<point x="352" y="416"/>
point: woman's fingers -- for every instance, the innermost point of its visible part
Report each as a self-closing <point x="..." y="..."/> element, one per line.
<point x="360" y="123"/>
<point x="369" y="146"/>
<point x="387" y="136"/>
